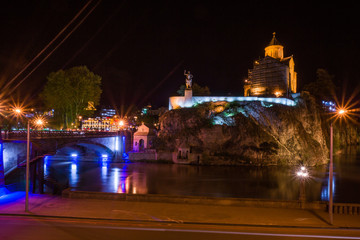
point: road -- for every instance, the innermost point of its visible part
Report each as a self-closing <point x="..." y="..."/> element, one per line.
<point x="37" y="228"/>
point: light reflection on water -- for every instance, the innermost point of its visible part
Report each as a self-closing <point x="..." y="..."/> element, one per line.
<point x="141" y="178"/>
<point x="73" y="174"/>
<point x="326" y="189"/>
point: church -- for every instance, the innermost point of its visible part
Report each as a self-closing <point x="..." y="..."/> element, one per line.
<point x="272" y="80"/>
<point x="273" y="75"/>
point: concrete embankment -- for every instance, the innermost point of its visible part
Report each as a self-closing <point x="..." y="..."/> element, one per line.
<point x="243" y="202"/>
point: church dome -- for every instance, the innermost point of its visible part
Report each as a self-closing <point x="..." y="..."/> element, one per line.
<point x="274" y="49"/>
<point x="274" y="41"/>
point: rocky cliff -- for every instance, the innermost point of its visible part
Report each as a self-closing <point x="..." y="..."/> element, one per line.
<point x="248" y="133"/>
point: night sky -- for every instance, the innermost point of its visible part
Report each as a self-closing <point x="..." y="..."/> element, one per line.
<point x="141" y="48"/>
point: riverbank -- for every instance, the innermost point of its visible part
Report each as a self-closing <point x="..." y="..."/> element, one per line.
<point x="215" y="201"/>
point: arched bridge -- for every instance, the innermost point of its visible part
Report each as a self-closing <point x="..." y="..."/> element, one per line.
<point x="64" y="143"/>
<point x="54" y="141"/>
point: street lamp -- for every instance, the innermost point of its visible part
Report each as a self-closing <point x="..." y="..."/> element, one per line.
<point x="339" y="113"/>
<point x="303" y="174"/>
<point x="38" y="122"/>
<point x="17" y="110"/>
<point x="121" y="123"/>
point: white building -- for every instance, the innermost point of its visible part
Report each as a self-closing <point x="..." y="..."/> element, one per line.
<point x="143" y="138"/>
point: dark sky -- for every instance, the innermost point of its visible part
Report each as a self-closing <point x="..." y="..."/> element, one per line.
<point x="141" y="48"/>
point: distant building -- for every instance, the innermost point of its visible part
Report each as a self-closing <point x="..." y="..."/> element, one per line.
<point x="272" y="75"/>
<point x="98" y="124"/>
<point x="107" y="112"/>
<point x="112" y="124"/>
<point x="143" y="138"/>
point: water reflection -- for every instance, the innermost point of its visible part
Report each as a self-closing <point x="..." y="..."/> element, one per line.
<point x="104" y="171"/>
<point x="102" y="174"/>
<point x="115" y="179"/>
<point x="46" y="163"/>
<point x="125" y="181"/>
<point x="74" y="174"/>
<point x="326" y="189"/>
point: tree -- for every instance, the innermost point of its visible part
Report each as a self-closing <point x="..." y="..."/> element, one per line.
<point x="323" y="88"/>
<point x="69" y="91"/>
<point x="197" y="90"/>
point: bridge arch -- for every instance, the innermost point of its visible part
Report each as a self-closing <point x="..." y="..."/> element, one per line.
<point x="84" y="147"/>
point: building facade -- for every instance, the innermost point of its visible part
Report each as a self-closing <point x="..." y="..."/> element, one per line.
<point x="111" y="124"/>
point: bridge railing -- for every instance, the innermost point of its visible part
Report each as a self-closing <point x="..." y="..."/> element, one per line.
<point x="346" y="208"/>
<point x="20" y="134"/>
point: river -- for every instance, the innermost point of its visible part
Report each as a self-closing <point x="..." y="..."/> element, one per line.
<point x="103" y="175"/>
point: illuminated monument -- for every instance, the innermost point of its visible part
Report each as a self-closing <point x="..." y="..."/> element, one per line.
<point x="272" y="75"/>
<point x="272" y="80"/>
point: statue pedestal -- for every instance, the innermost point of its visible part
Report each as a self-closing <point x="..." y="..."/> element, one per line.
<point x="188" y="98"/>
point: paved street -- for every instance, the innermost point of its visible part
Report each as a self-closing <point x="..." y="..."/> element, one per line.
<point x="34" y="228"/>
<point x="54" y="217"/>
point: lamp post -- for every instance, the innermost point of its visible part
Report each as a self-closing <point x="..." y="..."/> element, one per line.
<point x="302" y="174"/>
<point x="27" y="175"/>
<point x="339" y="113"/>
<point x="39" y="122"/>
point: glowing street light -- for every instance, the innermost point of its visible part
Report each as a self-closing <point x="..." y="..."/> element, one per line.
<point x="121" y="123"/>
<point x="39" y="122"/>
<point x="303" y="174"/>
<point x="342" y="111"/>
<point x="17" y="110"/>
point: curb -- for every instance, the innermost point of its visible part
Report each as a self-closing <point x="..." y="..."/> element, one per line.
<point x="173" y="222"/>
<point x="241" y="202"/>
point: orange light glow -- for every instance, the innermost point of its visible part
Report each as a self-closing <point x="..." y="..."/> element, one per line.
<point x="278" y="94"/>
<point x="39" y="122"/>
<point x="341" y="111"/>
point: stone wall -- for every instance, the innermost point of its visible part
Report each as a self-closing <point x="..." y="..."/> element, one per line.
<point x="151" y="155"/>
<point x="14" y="152"/>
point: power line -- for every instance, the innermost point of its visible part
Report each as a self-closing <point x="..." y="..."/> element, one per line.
<point x="93" y="36"/>
<point x="58" y="45"/>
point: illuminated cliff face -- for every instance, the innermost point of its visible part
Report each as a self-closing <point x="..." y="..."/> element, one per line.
<point x="273" y="75"/>
<point x="258" y="133"/>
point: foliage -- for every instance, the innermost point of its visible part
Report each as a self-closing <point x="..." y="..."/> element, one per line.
<point x="147" y="119"/>
<point x="68" y="93"/>
<point x="323" y="88"/>
<point x="197" y="90"/>
<point x="7" y="123"/>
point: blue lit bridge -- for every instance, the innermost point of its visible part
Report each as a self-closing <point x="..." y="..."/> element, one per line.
<point x="111" y="144"/>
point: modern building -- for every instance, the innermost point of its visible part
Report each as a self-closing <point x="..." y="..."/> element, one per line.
<point x="273" y="75"/>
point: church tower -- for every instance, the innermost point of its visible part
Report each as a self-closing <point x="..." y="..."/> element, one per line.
<point x="274" y="49"/>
